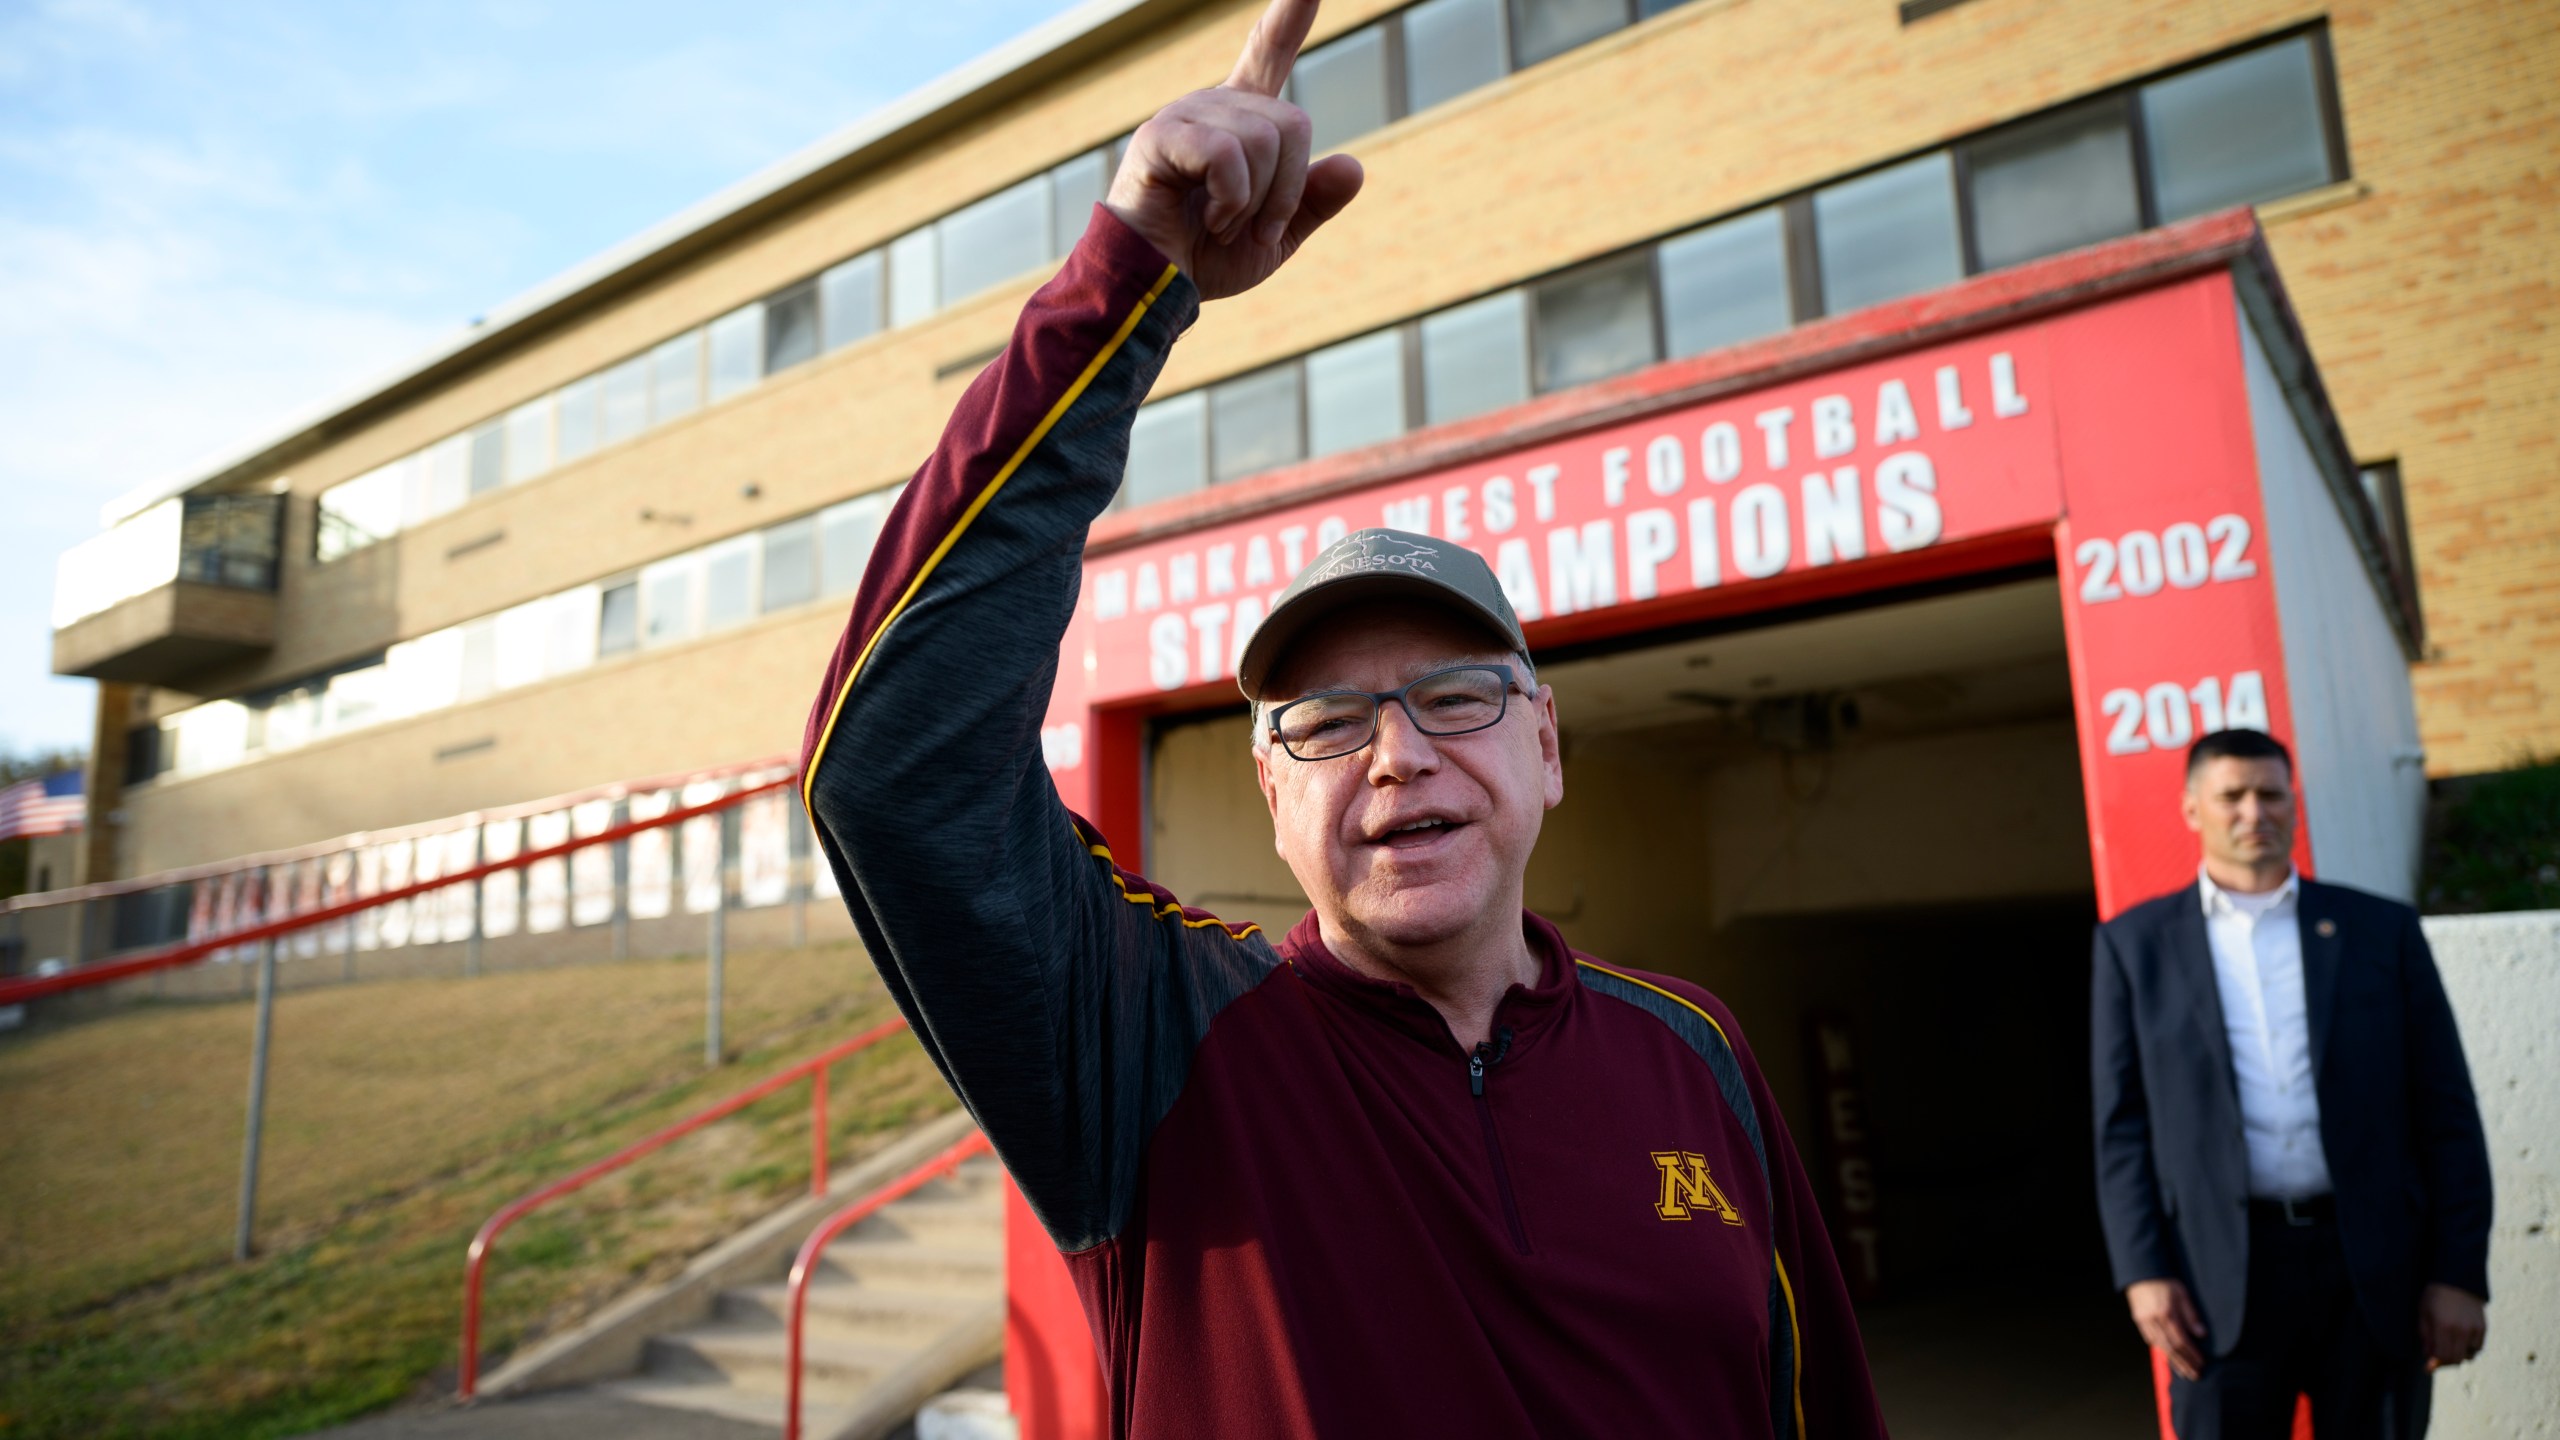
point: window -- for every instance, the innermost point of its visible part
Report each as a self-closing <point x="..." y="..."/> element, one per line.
<point x="2381" y="484"/>
<point x="1595" y="324"/>
<point x="1544" y="29"/>
<point x="626" y="399"/>
<point x="528" y="440"/>
<point x="1168" y="449"/>
<point x="1450" y="48"/>
<point x="1253" y="423"/>
<point x="618" y="619"/>
<point x="1074" y="189"/>
<point x="2053" y="184"/>
<point x="914" y="293"/>
<point x="230" y="540"/>
<point x="1000" y="237"/>
<point x="1647" y="9"/>
<point x="570" y="631"/>
<point x="360" y="512"/>
<point x="1355" y="393"/>
<point x="791" y="327"/>
<point x="1887" y="235"/>
<point x="488" y="457"/>
<point x="790" y="563"/>
<point x="1343" y="87"/>
<point x="675" y="378"/>
<point x="2238" y="131"/>
<point x="668" y="600"/>
<point x="479" y="652"/>
<point x="442" y="479"/>
<point x="285" y="720"/>
<point x="141" y="755"/>
<point x="360" y="697"/>
<point x="728" y="583"/>
<point x="211" y="736"/>
<point x="581" y="417"/>
<point x="417" y="676"/>
<point x="1724" y="284"/>
<point x="521" y="644"/>
<point x="737" y="351"/>
<point x="849" y="295"/>
<point x="1475" y="358"/>
<point x="845" y="535"/>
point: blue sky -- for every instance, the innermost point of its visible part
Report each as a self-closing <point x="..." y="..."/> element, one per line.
<point x="215" y="216"/>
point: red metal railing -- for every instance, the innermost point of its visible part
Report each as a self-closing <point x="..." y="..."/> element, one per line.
<point x="19" y="989"/>
<point x="813" y="1069"/>
<point x="949" y="1161"/>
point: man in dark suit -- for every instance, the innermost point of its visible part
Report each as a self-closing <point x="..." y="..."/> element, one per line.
<point x="2291" y="1170"/>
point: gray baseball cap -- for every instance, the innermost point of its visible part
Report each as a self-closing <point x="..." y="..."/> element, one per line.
<point x="1378" y="565"/>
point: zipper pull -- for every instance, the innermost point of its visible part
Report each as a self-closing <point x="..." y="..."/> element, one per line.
<point x="1479" y="1059"/>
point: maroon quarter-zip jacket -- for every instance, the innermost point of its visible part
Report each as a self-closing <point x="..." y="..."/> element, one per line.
<point x="1293" y="1203"/>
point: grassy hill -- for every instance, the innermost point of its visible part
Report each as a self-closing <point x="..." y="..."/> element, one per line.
<point x="399" y="1115"/>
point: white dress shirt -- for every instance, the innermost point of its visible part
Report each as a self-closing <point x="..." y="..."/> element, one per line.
<point x="2257" y="967"/>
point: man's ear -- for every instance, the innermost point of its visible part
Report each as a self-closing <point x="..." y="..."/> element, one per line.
<point x="2192" y="809"/>
<point x="1269" y="786"/>
<point x="1550" y="746"/>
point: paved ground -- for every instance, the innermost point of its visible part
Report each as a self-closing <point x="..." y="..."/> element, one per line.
<point x="1989" y="1366"/>
<point x="1966" y="1367"/>
<point x="577" y="1414"/>
<point x="560" y="1415"/>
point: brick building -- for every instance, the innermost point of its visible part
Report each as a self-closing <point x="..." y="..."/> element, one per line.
<point x="789" y="346"/>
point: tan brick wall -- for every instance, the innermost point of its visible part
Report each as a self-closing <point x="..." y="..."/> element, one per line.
<point x="2427" y="287"/>
<point x="2430" y="303"/>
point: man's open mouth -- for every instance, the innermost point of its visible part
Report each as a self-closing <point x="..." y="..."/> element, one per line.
<point x="1414" y="834"/>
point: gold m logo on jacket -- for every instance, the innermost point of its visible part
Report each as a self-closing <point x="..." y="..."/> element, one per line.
<point x="1688" y="1188"/>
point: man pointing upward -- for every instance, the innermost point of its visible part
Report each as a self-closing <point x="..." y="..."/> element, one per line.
<point x="1418" y="1167"/>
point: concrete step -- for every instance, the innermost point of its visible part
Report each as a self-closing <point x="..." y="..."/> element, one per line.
<point x="857" y="1312"/>
<point x="751" y="1356"/>
<point x="905" y="1265"/>
<point x="720" y="1398"/>
<point x="900" y="1306"/>
<point x="939" y="1217"/>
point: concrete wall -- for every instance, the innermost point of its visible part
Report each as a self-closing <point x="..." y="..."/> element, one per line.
<point x="1981" y="814"/>
<point x="2503" y="972"/>
<point x="2426" y="285"/>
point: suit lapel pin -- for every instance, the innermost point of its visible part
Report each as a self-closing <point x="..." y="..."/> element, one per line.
<point x="2326" y="928"/>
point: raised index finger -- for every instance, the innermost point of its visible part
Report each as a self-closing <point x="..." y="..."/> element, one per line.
<point x="1272" y="48"/>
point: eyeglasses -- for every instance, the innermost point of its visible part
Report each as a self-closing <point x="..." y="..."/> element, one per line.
<point x="1335" y="723"/>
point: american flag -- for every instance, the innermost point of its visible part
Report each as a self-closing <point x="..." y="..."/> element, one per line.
<point x="50" y="806"/>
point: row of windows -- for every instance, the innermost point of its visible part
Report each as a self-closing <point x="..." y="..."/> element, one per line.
<point x="1439" y="49"/>
<point x="2247" y="128"/>
<point x="700" y="592"/>
<point x="1017" y="229"/>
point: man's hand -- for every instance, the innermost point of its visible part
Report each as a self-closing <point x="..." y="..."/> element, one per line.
<point x="2452" y="1323"/>
<point x="1219" y="180"/>
<point x="2167" y="1319"/>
